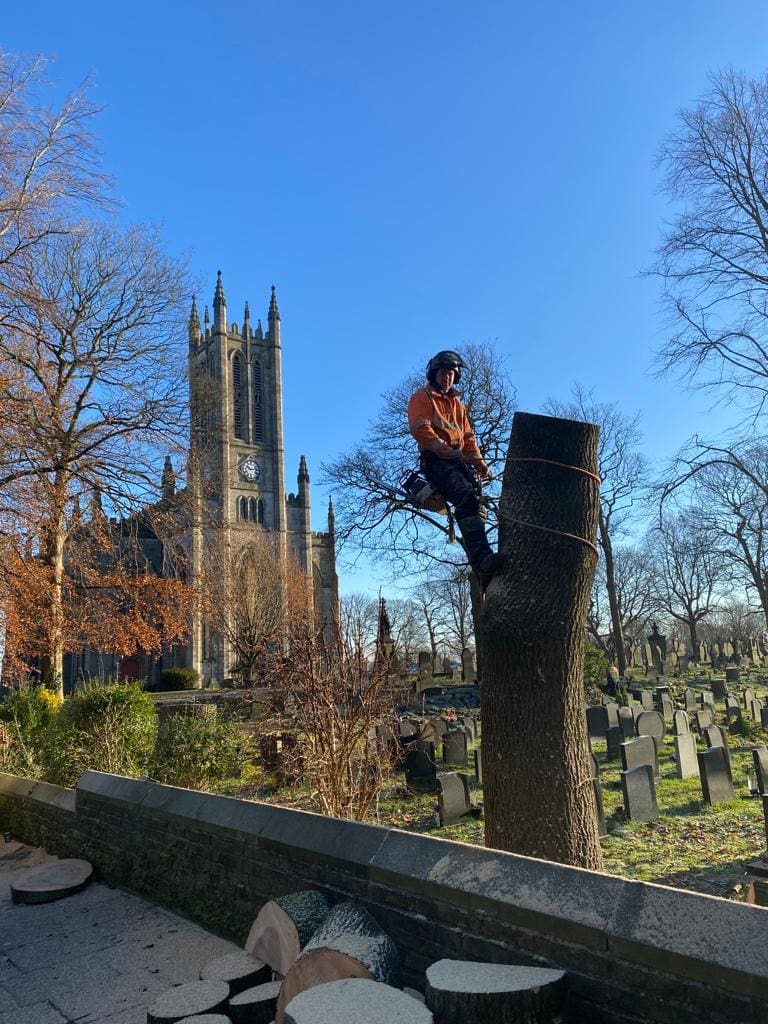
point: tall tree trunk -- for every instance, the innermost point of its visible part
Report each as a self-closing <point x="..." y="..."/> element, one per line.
<point x="52" y="663"/>
<point x="538" y="790"/>
<point x="694" y="638"/>
<point x="613" y="597"/>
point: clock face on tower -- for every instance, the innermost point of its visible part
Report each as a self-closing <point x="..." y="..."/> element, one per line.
<point x="250" y="470"/>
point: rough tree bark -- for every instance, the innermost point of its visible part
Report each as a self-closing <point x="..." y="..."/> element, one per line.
<point x="538" y="793"/>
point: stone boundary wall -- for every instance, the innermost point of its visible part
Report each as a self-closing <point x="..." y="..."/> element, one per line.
<point x="636" y="953"/>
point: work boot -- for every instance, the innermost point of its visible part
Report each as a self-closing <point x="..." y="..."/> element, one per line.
<point x="483" y="560"/>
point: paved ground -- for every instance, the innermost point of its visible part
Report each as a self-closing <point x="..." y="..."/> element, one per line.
<point x="99" y="957"/>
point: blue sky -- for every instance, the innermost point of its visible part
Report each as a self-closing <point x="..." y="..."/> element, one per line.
<point x="412" y="176"/>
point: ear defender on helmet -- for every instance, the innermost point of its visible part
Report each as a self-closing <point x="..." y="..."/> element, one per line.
<point x="445" y="360"/>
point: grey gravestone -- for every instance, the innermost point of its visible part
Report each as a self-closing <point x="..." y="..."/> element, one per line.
<point x="690" y="699"/>
<point x="613" y="738"/>
<point x="597" y="721"/>
<point x="426" y="746"/>
<point x="650" y="723"/>
<point x="686" y="762"/>
<point x="453" y="802"/>
<point x="760" y="758"/>
<point x="439" y="725"/>
<point x="455" y="747"/>
<point x="704" y="719"/>
<point x="428" y="732"/>
<point x="716" y="784"/>
<point x="420" y="772"/>
<point x="627" y="723"/>
<point x="763" y="718"/>
<point x="662" y="691"/>
<point x="613" y="714"/>
<point x="598" y="796"/>
<point x="406" y="729"/>
<point x="646" y="700"/>
<point x="639" y="791"/>
<point x="735" y="717"/>
<point x="719" y="689"/>
<point x="717" y="737"/>
<point x="755" y="709"/>
<point x="637" y="752"/>
<point x="667" y="710"/>
<point x="747" y="695"/>
<point x="479" y="766"/>
<point x="681" y="722"/>
<point x="732" y="675"/>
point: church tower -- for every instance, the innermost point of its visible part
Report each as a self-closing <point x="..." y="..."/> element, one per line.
<point x="237" y="456"/>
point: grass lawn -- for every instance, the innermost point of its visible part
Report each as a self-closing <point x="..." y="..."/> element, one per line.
<point x="690" y="845"/>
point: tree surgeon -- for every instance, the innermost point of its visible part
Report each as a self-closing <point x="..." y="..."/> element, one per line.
<point x="450" y="457"/>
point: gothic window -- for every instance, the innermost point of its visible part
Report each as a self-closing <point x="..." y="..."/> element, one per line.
<point x="261" y="510"/>
<point x="242" y="508"/>
<point x="237" y="395"/>
<point x="258" y="406"/>
<point x="252" y="510"/>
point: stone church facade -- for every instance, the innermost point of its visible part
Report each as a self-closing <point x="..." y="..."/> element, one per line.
<point x="236" y="486"/>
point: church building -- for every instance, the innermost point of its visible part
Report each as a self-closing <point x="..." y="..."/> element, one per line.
<point x="235" y="488"/>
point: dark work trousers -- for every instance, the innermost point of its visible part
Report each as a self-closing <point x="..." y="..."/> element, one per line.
<point x="454" y="482"/>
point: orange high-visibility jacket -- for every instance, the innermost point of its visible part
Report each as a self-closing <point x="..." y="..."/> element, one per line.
<point x="440" y="423"/>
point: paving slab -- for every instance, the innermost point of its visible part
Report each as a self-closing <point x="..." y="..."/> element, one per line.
<point x="100" y="956"/>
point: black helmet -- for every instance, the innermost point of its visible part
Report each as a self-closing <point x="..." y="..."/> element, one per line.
<point x="446" y="360"/>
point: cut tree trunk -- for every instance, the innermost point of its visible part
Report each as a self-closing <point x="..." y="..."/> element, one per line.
<point x="284" y="926"/>
<point x="356" y="1001"/>
<point x="472" y="993"/>
<point x="537" y="782"/>
<point x="349" y="944"/>
<point x="255" y="1005"/>
<point x="196" y="997"/>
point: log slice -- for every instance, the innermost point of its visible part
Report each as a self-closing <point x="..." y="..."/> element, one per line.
<point x="463" y="992"/>
<point x="256" y="1005"/>
<point x="356" y="1001"/>
<point x="193" y="999"/>
<point x="239" y="970"/>
<point x="284" y="926"/>
<point x="349" y="944"/>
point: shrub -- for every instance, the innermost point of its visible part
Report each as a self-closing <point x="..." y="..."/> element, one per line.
<point x="26" y="716"/>
<point x="179" y="679"/>
<point x="107" y="728"/>
<point x="196" y="751"/>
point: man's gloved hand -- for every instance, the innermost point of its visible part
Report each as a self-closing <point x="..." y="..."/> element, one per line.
<point x="480" y="466"/>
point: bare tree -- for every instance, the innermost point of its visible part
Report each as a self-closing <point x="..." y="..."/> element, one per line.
<point x="450" y="589"/>
<point x="623" y="470"/>
<point x="714" y="257"/>
<point x="49" y="166"/>
<point x="93" y="398"/>
<point x="358" y="622"/>
<point x="686" y="571"/>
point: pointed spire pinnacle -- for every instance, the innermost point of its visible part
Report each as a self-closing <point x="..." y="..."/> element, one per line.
<point x="303" y="471"/>
<point x="331" y="517"/>
<point x="219" y="298"/>
<point x="194" y="319"/>
<point x="206" y="317"/>
<point x="247" y="312"/>
<point x="259" y="332"/>
<point x="168" y="482"/>
<point x="274" y="312"/>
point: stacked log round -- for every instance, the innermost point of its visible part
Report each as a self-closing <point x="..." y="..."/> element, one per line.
<point x="239" y="970"/>
<point x="190" y="1000"/>
<point x="349" y="944"/>
<point x="355" y="1001"/>
<point x="461" y="992"/>
<point x="207" y="1018"/>
<point x="284" y="926"/>
<point x="256" y="1005"/>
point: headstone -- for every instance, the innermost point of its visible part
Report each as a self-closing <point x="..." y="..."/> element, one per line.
<point x="763" y="718"/>
<point x="686" y="761"/>
<point x="755" y="709"/>
<point x="747" y="695"/>
<point x="597" y="721"/>
<point x="681" y="723"/>
<point x="704" y="719"/>
<point x="646" y="700"/>
<point x="667" y="710"/>
<point x="407" y="730"/>
<point x="439" y="725"/>
<point x="650" y="723"/>
<point x="613" y="738"/>
<point x="613" y="714"/>
<point x="719" y="689"/>
<point x="760" y="758"/>
<point x="716" y="784"/>
<point x="735" y="717"/>
<point x="428" y="732"/>
<point x="627" y="723"/>
<point x="690" y="699"/>
<point x="479" y="766"/>
<point x="598" y="796"/>
<point x="420" y="772"/>
<point x="468" y="725"/>
<point x="717" y="737"/>
<point x="455" y="747"/>
<point x="732" y="675"/>
<point x="639" y="792"/>
<point x="468" y="669"/>
<point x="639" y="751"/>
<point x="453" y="801"/>
<point x="425" y="664"/>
